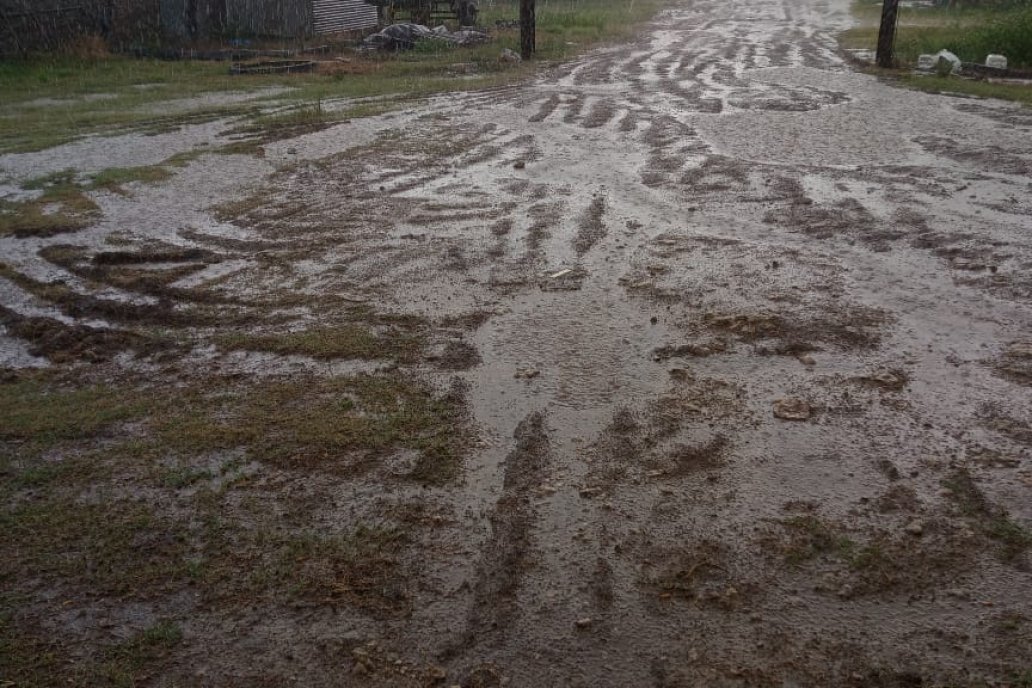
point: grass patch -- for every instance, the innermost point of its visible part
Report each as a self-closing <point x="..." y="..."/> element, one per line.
<point x="810" y="537"/>
<point x="111" y="548"/>
<point x="970" y="33"/>
<point x="115" y="178"/>
<point x="25" y="659"/>
<point x="351" y="341"/>
<point x="28" y="661"/>
<point x="1018" y="93"/>
<point x="114" y="95"/>
<point x="45" y="413"/>
<point x="124" y="663"/>
<point x="61" y="207"/>
<point x="339" y="424"/>
<point x="1012" y="538"/>
<point x="360" y="567"/>
<point x="183" y="476"/>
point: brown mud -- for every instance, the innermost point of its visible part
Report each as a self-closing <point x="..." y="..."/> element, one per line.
<point x="520" y="382"/>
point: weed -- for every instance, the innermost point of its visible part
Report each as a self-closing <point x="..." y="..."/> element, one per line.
<point x="811" y="537"/>
<point x="1014" y="539"/>
<point x="993" y="521"/>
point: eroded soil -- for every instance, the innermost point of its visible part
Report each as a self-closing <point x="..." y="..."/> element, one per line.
<point x="700" y="361"/>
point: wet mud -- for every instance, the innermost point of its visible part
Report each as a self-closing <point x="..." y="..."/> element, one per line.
<point x="630" y="267"/>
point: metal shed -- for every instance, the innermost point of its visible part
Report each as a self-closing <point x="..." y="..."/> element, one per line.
<point x="332" y="16"/>
<point x="196" y="19"/>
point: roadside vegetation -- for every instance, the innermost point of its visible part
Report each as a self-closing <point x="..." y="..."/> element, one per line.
<point x="970" y="30"/>
<point x="49" y="100"/>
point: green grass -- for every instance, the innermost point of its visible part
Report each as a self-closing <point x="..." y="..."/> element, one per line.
<point x="61" y="207"/>
<point x="338" y="425"/>
<point x="31" y="660"/>
<point x="1018" y="93"/>
<point x="135" y="88"/>
<point x="45" y="413"/>
<point x="115" y="178"/>
<point x="115" y="547"/>
<point x="969" y="32"/>
<point x="972" y="36"/>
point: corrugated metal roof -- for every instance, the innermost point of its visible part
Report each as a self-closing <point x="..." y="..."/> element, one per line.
<point x="342" y="15"/>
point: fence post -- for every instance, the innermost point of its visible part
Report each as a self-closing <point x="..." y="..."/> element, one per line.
<point x="527" y="27"/>
<point x="887" y="33"/>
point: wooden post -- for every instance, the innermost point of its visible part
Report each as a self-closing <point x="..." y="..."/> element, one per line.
<point x="527" y="26"/>
<point x="887" y="33"/>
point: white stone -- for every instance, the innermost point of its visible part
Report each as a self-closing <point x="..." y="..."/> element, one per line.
<point x="949" y="57"/>
<point x="996" y="61"/>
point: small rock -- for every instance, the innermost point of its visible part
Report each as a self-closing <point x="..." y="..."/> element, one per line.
<point x="438" y="673"/>
<point x="792" y="409"/>
<point x="519" y="165"/>
<point x="996" y="61"/>
<point x="589" y="492"/>
<point x="584" y="623"/>
<point x="526" y="373"/>
<point x="915" y="528"/>
<point x="807" y="359"/>
<point x="510" y="56"/>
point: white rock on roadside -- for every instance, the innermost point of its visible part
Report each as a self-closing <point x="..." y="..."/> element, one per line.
<point x="996" y="61"/>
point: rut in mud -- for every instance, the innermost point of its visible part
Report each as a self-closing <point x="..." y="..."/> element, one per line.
<point x="540" y="353"/>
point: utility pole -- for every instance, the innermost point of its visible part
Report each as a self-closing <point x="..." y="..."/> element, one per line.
<point x="527" y="25"/>
<point x="887" y="33"/>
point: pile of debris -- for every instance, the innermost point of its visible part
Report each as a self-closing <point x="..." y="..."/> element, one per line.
<point x="405" y="37"/>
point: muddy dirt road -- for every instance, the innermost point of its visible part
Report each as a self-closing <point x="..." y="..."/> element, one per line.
<point x="741" y="341"/>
